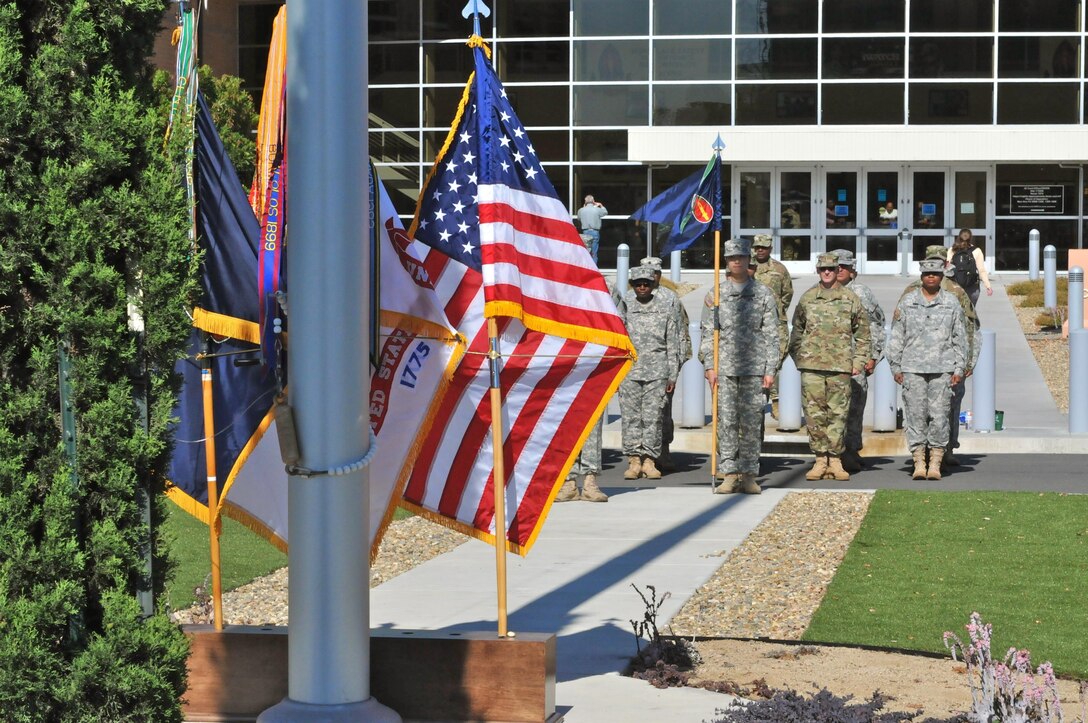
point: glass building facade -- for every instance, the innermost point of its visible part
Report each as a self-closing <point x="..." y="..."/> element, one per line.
<point x="588" y="76"/>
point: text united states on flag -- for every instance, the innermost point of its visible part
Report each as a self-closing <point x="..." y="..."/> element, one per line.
<point x="502" y="245"/>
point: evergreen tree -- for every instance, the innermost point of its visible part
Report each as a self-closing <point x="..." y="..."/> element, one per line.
<point x="92" y="219"/>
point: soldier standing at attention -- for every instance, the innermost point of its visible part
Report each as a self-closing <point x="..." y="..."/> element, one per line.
<point x="974" y="346"/>
<point x="748" y="354"/>
<point x="928" y="356"/>
<point x="859" y="385"/>
<point x="668" y="293"/>
<point x="829" y="344"/>
<point x="651" y="324"/>
<point x="761" y="252"/>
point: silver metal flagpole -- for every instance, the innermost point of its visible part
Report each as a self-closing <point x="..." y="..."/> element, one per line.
<point x="329" y="624"/>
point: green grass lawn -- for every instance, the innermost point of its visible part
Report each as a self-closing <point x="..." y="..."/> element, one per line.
<point x="923" y="561"/>
<point x="243" y="554"/>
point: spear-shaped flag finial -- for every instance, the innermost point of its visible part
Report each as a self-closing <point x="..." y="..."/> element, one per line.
<point x="719" y="144"/>
<point x="475" y="8"/>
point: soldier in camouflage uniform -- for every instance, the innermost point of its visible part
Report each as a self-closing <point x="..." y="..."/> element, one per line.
<point x="974" y="346"/>
<point x="928" y="356"/>
<point x="651" y="323"/>
<point x="748" y="355"/>
<point x="765" y="265"/>
<point x="829" y="343"/>
<point x="859" y="385"/>
<point x="667" y="290"/>
<point x="587" y="463"/>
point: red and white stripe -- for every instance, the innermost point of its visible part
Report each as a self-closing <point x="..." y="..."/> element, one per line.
<point x="551" y="389"/>
<point x="532" y="256"/>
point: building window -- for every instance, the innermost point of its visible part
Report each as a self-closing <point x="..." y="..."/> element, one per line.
<point x="854" y="103"/>
<point x="941" y="16"/>
<point x="254" y="40"/>
<point x="951" y="103"/>
<point x="779" y="17"/>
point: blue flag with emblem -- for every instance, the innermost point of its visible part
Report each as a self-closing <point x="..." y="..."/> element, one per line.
<point x="690" y="207"/>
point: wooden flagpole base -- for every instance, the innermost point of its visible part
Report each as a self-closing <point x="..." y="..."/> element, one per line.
<point x="236" y="674"/>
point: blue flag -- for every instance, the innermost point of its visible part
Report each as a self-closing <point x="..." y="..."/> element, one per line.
<point x="691" y="206"/>
<point x="224" y="325"/>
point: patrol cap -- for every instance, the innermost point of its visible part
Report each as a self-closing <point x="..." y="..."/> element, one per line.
<point x="644" y="273"/>
<point x="931" y="266"/>
<point x="936" y="252"/>
<point x="845" y="257"/>
<point x="762" y="239"/>
<point x="653" y="262"/>
<point x="736" y="247"/>
<point x="827" y="261"/>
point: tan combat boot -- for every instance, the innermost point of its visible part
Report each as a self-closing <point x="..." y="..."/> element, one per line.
<point x="649" y="469"/>
<point x="591" y="492"/>
<point x="748" y="484"/>
<point x="819" y="468"/>
<point x="935" y="456"/>
<point x="634" y="467"/>
<point x="851" y="461"/>
<point x="834" y="468"/>
<point x="568" y="492"/>
<point x="728" y="485"/>
<point x="919" y="464"/>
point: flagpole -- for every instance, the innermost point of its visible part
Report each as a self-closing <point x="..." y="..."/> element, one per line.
<point x="213" y="490"/>
<point x="499" y="478"/>
<point x="718" y="146"/>
<point x="714" y="389"/>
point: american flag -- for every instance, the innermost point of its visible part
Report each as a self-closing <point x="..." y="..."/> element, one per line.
<point x="489" y="205"/>
<point x="502" y="245"/>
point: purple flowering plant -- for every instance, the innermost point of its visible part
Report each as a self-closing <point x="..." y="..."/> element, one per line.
<point x="1006" y="690"/>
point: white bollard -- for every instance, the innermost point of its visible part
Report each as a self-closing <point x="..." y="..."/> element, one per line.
<point x="984" y="384"/>
<point x="693" y="385"/>
<point x="1033" y="255"/>
<point x="1050" y="277"/>
<point x="885" y="393"/>
<point x="1075" y="298"/>
<point x="674" y="266"/>
<point x="623" y="267"/>
<point x="789" y="397"/>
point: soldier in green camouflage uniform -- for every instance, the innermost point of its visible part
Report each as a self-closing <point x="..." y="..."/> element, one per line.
<point x="748" y="354"/>
<point x="651" y="323"/>
<point x="829" y="343"/>
<point x="928" y="356"/>
<point x="783" y="288"/>
<point x="974" y="346"/>
<point x="668" y="292"/>
<point x="859" y="385"/>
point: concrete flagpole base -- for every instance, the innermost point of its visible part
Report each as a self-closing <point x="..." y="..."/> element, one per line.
<point x="291" y="711"/>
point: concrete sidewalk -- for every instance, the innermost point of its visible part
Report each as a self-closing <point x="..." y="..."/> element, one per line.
<point x="1032" y="421"/>
<point x="576" y="582"/>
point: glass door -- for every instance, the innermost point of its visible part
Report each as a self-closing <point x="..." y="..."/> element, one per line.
<point x="779" y="203"/>
<point x="840" y="213"/>
<point x="930" y="213"/>
<point x="970" y="206"/>
<point x="879" y="242"/>
<point x="794" y="238"/>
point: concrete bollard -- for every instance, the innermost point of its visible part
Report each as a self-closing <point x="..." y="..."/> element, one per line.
<point x="674" y="266"/>
<point x="693" y="385"/>
<point x="623" y="267"/>
<point x="1075" y="298"/>
<point x="984" y="384"/>
<point x="1033" y="255"/>
<point x="885" y="394"/>
<point x="789" y="397"/>
<point x="1050" y="277"/>
<point x="1078" y="381"/>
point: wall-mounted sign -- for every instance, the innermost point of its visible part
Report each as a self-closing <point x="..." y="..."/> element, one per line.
<point x="882" y="195"/>
<point x="842" y="211"/>
<point x="1036" y="199"/>
<point x="841" y="195"/>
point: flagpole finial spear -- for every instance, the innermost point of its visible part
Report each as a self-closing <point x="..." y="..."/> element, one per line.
<point x="719" y="145"/>
<point x="475" y="8"/>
